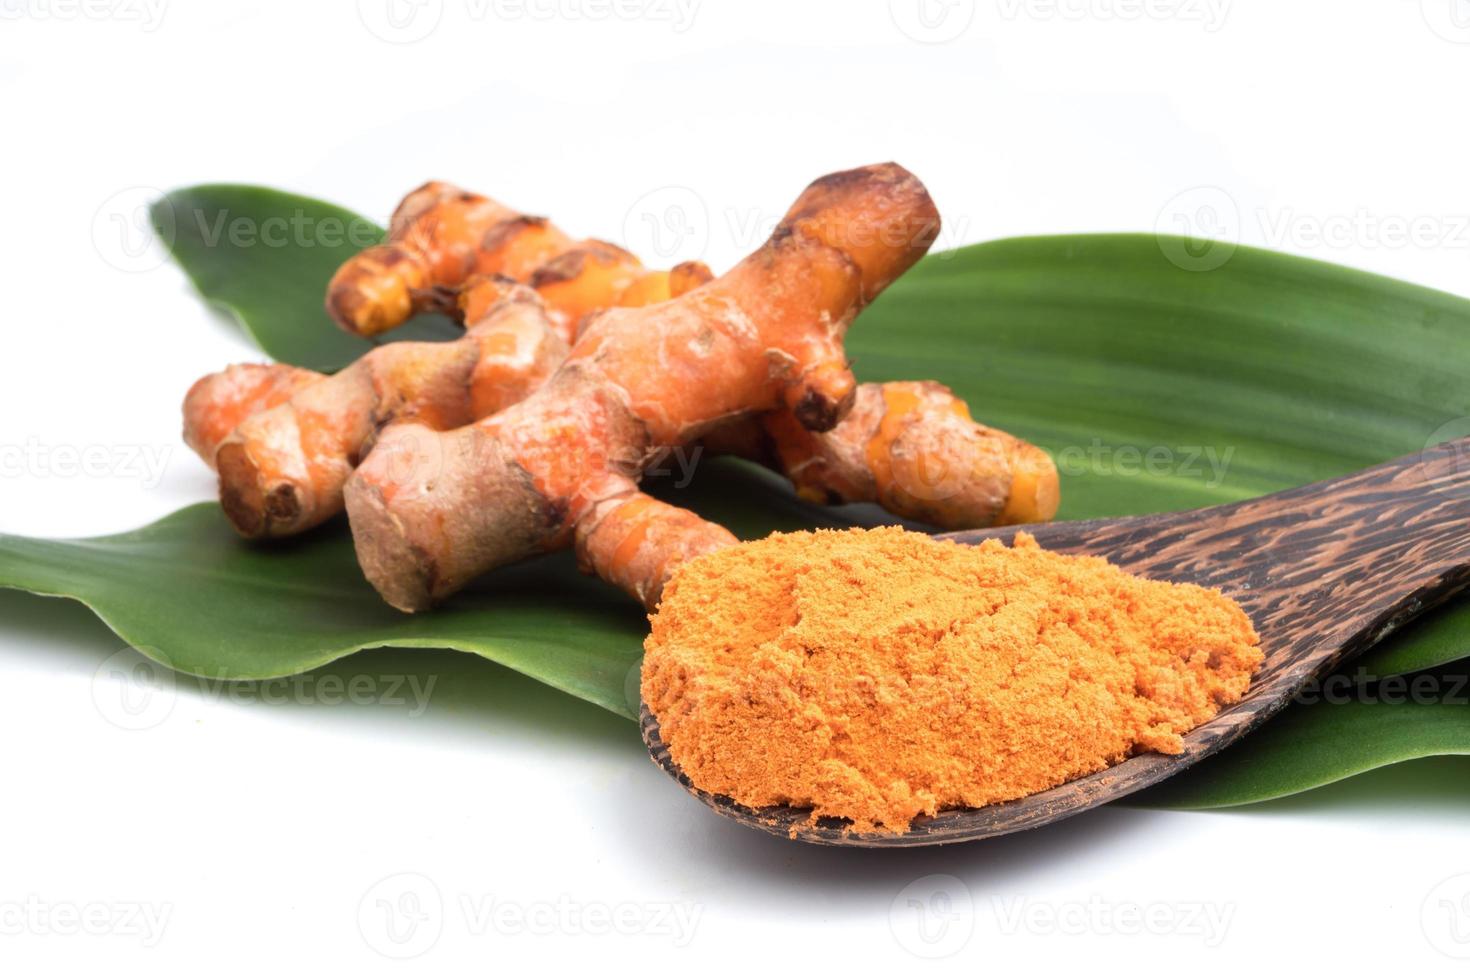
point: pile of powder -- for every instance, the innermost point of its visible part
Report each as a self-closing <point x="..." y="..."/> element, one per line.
<point x="882" y="674"/>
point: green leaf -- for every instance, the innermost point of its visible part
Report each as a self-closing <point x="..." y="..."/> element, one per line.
<point x="189" y="593"/>
<point x="1412" y="789"/>
<point x="1155" y="387"/>
<point x="1311" y="745"/>
<point x="1437" y="637"/>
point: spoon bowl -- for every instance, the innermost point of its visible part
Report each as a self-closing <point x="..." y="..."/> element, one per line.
<point x="1324" y="571"/>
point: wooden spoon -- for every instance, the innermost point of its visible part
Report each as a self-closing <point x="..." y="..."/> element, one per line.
<point x="1324" y="571"/>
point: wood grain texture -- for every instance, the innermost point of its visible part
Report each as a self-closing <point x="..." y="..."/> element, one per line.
<point x="1324" y="571"/>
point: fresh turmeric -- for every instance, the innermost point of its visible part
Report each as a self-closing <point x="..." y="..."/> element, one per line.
<point x="882" y="675"/>
<point x="281" y="471"/>
<point x="285" y="440"/>
<point x="909" y="446"/>
<point x="217" y="403"/>
<point x="940" y="468"/>
<point x="440" y="238"/>
<point x="291" y="436"/>
<point x="562" y="466"/>
<point x="912" y="448"/>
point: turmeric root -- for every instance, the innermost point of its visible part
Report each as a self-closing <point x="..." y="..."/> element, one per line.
<point x="437" y="238"/>
<point x="658" y="286"/>
<point x="282" y="470"/>
<point x="562" y="466"/>
<point x="908" y="446"/>
<point x="912" y="448"/>
<point x="441" y="236"/>
<point x="919" y="454"/>
<point x="217" y="403"/>
<point x="584" y="280"/>
<point x="283" y="473"/>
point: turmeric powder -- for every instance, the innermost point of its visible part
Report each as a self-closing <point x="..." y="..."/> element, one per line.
<point x="880" y="675"/>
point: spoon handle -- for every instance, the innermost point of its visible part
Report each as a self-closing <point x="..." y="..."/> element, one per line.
<point x="1336" y="564"/>
<point x="1342" y="563"/>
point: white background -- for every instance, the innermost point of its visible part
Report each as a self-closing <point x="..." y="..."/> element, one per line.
<point x="259" y="829"/>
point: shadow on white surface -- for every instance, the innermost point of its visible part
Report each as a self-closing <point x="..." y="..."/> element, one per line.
<point x="474" y="700"/>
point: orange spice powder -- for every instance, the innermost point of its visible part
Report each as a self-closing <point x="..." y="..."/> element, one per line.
<point x="882" y="674"/>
